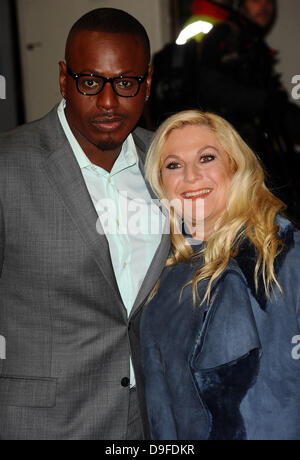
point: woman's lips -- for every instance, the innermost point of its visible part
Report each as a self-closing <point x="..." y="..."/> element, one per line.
<point x="195" y="194"/>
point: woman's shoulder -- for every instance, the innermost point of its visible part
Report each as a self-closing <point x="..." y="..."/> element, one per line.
<point x="290" y="236"/>
<point x="287" y="263"/>
<point x="296" y="245"/>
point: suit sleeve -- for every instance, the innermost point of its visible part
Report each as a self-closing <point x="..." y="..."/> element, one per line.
<point x="159" y="407"/>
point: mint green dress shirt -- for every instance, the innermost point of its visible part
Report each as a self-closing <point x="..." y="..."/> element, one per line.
<point x="130" y="220"/>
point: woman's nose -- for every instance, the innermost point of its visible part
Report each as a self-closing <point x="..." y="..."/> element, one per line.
<point x="192" y="173"/>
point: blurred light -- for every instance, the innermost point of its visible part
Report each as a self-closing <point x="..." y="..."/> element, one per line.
<point x="193" y="29"/>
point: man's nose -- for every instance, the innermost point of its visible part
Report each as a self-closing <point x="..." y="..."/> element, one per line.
<point x="107" y="98"/>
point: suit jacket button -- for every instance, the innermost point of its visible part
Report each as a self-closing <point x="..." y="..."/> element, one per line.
<point x="125" y="382"/>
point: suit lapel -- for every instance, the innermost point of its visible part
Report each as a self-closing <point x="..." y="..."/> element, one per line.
<point x="154" y="271"/>
<point x="64" y="175"/>
<point x="162" y="252"/>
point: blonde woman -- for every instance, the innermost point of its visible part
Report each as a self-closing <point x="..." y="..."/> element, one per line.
<point x="220" y="336"/>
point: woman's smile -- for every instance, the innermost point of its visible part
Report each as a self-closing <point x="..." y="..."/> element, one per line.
<point x="194" y="195"/>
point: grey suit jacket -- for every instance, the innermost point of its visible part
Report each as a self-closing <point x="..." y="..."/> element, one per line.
<point x="68" y="338"/>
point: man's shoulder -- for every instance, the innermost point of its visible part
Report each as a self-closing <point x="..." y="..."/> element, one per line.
<point x="143" y="137"/>
<point x="31" y="138"/>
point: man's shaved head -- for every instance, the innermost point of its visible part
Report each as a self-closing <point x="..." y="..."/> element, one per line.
<point x="109" y="20"/>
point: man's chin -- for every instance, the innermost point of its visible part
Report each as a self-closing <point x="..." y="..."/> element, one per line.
<point x="108" y="145"/>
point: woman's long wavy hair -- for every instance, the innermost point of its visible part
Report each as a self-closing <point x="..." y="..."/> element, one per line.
<point x="250" y="212"/>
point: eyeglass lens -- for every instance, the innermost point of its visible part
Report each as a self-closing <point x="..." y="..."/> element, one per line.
<point x="122" y="86"/>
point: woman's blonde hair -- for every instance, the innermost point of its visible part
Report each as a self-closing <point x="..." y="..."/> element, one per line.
<point x="250" y="212"/>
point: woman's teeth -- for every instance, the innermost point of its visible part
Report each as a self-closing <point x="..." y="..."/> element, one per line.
<point x="199" y="193"/>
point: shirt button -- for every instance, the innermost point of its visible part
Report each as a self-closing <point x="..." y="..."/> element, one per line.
<point x="125" y="382"/>
<point x="124" y="265"/>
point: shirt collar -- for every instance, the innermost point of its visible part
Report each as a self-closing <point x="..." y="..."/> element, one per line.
<point x="127" y="158"/>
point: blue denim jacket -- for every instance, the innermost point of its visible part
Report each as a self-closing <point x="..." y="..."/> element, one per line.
<point x="233" y="371"/>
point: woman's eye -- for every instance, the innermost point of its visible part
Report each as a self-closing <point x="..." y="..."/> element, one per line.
<point x="207" y="158"/>
<point x="173" y="165"/>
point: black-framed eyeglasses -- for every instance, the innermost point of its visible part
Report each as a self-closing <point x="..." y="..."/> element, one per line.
<point x="91" y="84"/>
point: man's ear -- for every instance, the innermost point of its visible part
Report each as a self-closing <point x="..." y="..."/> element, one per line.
<point x="149" y="80"/>
<point x="63" y="78"/>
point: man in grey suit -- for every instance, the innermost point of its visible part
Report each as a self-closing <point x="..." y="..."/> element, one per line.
<point x="71" y="288"/>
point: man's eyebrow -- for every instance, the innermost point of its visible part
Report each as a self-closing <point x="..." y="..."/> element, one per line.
<point x="95" y="72"/>
<point x="89" y="71"/>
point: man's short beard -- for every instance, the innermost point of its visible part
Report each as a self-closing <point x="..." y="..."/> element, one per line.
<point x="108" y="145"/>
